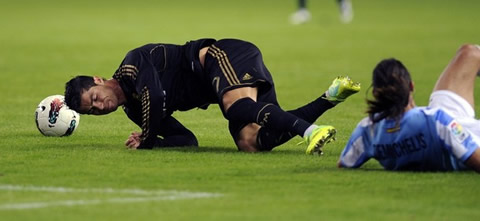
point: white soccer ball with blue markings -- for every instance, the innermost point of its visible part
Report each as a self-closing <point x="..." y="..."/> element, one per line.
<point x="54" y="118"/>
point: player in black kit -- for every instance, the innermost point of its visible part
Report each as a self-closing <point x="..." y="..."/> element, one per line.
<point x="155" y="80"/>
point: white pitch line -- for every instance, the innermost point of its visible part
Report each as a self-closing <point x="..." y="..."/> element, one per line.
<point x="145" y="195"/>
<point x="89" y="190"/>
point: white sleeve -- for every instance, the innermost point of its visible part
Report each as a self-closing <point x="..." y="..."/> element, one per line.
<point x="354" y="154"/>
<point x="457" y="139"/>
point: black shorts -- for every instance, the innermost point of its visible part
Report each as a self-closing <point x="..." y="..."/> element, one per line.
<point x="231" y="64"/>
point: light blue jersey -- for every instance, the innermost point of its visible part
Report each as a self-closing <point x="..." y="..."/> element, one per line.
<point x="426" y="139"/>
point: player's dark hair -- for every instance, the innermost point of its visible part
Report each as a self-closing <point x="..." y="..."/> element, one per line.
<point x="391" y="85"/>
<point x="74" y="89"/>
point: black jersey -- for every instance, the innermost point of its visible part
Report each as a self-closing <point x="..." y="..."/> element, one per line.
<point x="158" y="79"/>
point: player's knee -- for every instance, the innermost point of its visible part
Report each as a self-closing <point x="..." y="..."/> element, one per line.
<point x="469" y="51"/>
<point x="186" y="138"/>
<point x="247" y="138"/>
<point x="246" y="145"/>
<point x="251" y="144"/>
<point x="192" y="141"/>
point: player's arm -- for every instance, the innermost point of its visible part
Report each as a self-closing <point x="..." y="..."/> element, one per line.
<point x="354" y="154"/>
<point x="138" y="70"/>
<point x="171" y="134"/>
<point x="459" y="141"/>
<point x="152" y="99"/>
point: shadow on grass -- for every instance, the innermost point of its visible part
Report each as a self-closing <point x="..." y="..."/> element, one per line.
<point x="363" y="171"/>
<point x="43" y="142"/>
<point x="327" y="168"/>
<point x="213" y="149"/>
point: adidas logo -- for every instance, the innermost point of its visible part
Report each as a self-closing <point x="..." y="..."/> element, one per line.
<point x="246" y="77"/>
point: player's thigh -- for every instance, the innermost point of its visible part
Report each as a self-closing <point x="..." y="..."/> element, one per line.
<point x="236" y="70"/>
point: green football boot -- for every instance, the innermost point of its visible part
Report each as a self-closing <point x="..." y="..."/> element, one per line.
<point x="319" y="137"/>
<point x="341" y="88"/>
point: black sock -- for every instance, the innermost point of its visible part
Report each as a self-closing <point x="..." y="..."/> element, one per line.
<point x="311" y="111"/>
<point x="266" y="115"/>
<point x="268" y="139"/>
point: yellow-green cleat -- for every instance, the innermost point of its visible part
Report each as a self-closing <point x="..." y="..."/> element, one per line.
<point x="319" y="137"/>
<point x="341" y="88"/>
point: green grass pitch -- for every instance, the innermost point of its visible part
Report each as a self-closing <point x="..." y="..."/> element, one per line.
<point x="92" y="176"/>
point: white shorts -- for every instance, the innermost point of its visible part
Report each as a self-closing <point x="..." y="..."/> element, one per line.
<point x="457" y="107"/>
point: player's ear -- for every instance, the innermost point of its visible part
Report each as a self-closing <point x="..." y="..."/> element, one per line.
<point x="412" y="86"/>
<point x="98" y="80"/>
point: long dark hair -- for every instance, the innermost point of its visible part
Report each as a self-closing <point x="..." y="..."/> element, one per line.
<point x="391" y="85"/>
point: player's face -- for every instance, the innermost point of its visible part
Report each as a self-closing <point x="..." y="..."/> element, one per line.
<point x="98" y="100"/>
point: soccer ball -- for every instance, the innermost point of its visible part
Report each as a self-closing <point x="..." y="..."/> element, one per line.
<point x="54" y="118"/>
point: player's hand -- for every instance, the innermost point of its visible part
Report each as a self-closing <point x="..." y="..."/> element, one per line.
<point x="133" y="140"/>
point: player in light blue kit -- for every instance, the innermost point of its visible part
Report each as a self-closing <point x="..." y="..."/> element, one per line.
<point x="444" y="136"/>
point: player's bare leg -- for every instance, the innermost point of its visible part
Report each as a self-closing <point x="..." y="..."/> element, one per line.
<point x="247" y="138"/>
<point x="459" y="75"/>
